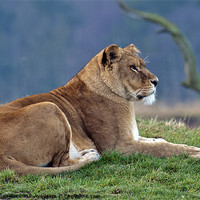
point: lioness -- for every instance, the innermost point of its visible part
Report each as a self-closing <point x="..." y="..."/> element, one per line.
<point x="70" y="126"/>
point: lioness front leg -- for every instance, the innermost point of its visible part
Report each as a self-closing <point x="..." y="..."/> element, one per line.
<point x="158" y="149"/>
<point x="144" y="139"/>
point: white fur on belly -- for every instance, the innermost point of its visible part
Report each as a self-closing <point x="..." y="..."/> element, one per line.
<point x="73" y="152"/>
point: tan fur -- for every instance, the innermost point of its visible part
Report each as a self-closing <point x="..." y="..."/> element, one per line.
<point x="92" y="113"/>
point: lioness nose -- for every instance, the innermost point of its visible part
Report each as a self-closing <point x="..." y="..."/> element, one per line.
<point x="155" y="82"/>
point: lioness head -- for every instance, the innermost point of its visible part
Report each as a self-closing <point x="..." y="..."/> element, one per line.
<point x="125" y="73"/>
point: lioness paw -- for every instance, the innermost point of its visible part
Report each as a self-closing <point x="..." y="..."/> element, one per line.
<point x="90" y="154"/>
<point x="195" y="154"/>
<point x="85" y="151"/>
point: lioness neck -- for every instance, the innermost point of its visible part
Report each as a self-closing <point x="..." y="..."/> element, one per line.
<point x="91" y="76"/>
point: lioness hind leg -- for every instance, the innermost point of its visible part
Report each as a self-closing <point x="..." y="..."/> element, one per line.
<point x="41" y="135"/>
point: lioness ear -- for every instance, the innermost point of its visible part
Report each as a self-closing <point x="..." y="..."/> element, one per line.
<point x="133" y="48"/>
<point x="111" y="54"/>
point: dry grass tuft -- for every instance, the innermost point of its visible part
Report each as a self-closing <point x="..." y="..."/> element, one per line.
<point x="175" y="123"/>
<point x="180" y="113"/>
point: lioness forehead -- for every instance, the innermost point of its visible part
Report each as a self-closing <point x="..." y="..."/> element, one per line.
<point x="133" y="54"/>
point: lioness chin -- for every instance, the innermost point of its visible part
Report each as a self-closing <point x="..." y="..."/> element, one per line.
<point x="70" y="126"/>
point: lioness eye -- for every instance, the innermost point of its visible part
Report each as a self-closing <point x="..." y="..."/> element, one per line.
<point x="134" y="68"/>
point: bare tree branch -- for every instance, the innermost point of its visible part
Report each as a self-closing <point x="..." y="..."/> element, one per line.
<point x="192" y="79"/>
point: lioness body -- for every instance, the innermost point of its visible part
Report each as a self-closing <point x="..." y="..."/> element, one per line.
<point x="73" y="124"/>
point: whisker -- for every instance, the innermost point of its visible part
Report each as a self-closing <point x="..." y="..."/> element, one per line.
<point x="138" y="91"/>
<point x="146" y="59"/>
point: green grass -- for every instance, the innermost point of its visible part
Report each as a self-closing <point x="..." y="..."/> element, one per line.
<point x="115" y="176"/>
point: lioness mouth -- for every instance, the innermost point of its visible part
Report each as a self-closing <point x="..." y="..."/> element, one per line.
<point x="140" y="97"/>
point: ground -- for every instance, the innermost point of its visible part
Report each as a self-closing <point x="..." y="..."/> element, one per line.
<point x="115" y="176"/>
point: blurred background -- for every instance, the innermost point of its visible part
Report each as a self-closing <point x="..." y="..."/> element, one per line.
<point x="43" y="44"/>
